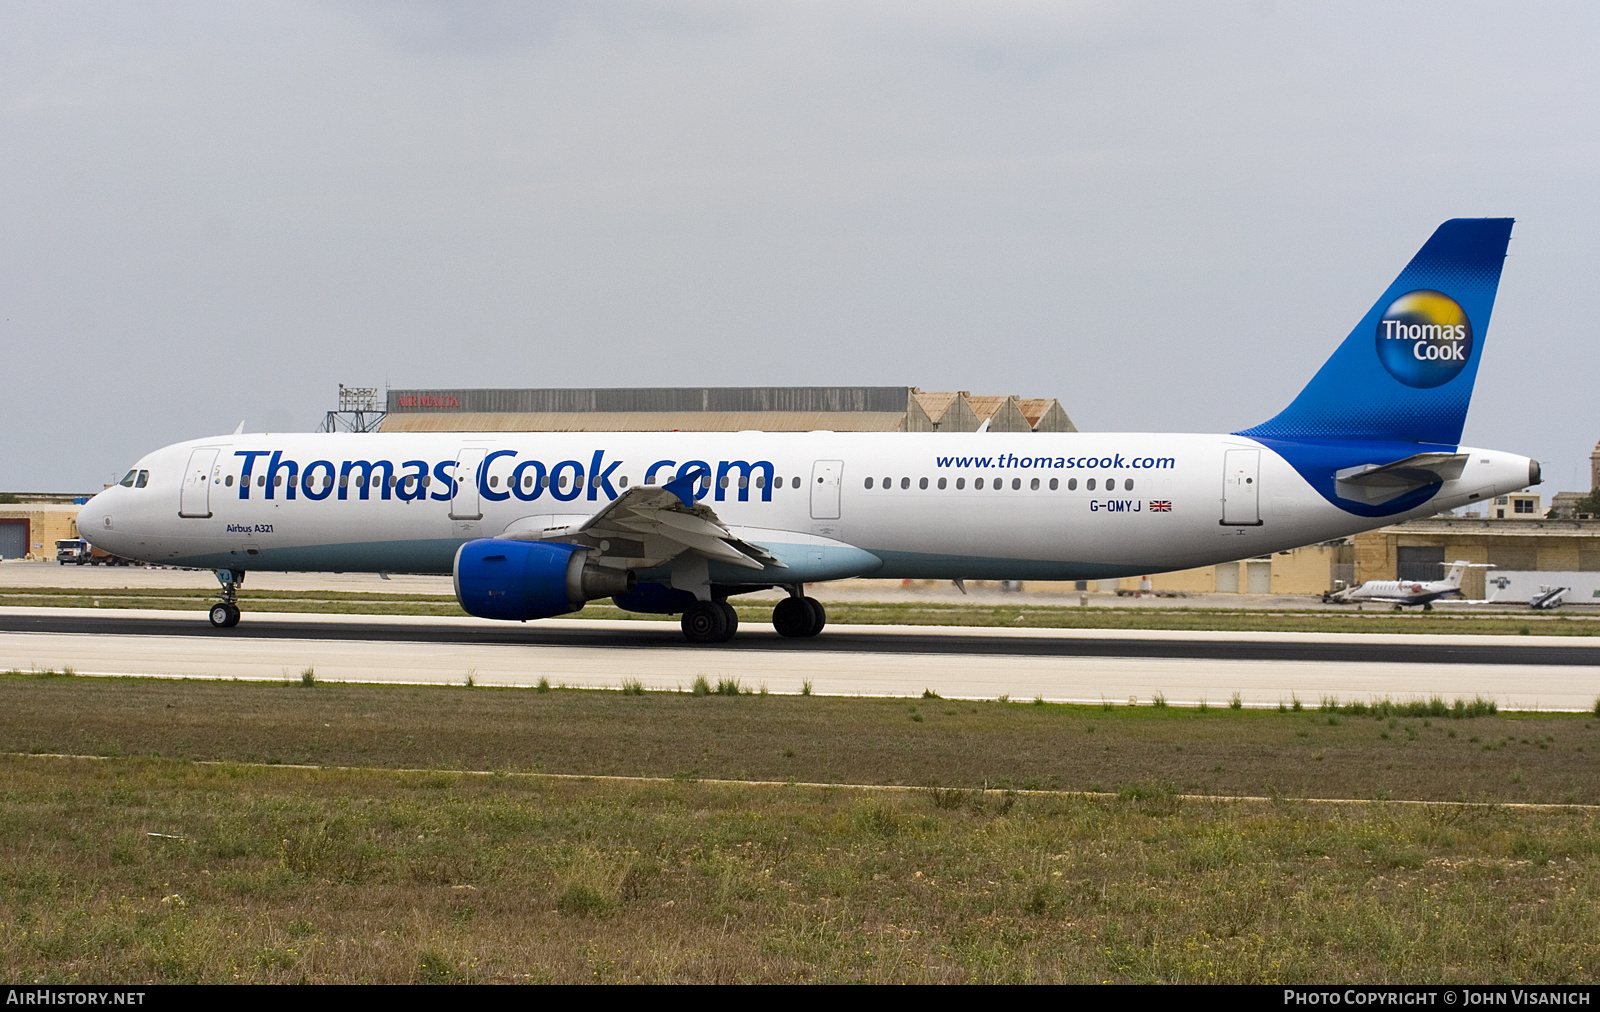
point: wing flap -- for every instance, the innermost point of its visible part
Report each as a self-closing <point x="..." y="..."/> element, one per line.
<point x="669" y="526"/>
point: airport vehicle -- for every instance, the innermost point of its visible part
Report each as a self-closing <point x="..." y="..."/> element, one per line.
<point x="532" y="525"/>
<point x="1406" y="593"/>
<point x="1548" y="598"/>
<point x="78" y="551"/>
<point x="73" y="550"/>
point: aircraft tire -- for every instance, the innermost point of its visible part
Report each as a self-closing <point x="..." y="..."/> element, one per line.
<point x="733" y="620"/>
<point x="793" y="618"/>
<point x="819" y="615"/>
<point x="220" y="616"/>
<point x="705" y="622"/>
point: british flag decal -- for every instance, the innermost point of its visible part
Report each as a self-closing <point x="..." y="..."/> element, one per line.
<point x="1161" y="506"/>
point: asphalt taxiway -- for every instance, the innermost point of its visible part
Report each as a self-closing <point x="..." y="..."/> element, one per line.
<point x="1518" y="672"/>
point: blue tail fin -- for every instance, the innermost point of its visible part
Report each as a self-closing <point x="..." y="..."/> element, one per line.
<point x="1405" y="373"/>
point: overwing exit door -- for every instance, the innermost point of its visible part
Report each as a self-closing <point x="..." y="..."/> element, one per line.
<point x="194" y="499"/>
<point x="826" y="476"/>
<point x="1241" y="488"/>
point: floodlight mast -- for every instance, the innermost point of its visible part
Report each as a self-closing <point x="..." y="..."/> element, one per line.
<point x="357" y="412"/>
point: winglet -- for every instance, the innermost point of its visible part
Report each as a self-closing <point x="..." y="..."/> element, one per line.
<point x="683" y="485"/>
<point x="240" y="430"/>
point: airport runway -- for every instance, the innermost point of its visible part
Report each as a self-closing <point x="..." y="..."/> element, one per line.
<point x="1084" y="665"/>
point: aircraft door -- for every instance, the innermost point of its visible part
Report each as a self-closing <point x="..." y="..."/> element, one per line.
<point x="466" y="501"/>
<point x="1241" y="488"/>
<point x="194" y="500"/>
<point x="826" y="478"/>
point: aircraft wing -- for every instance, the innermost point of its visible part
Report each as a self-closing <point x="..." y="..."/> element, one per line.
<point x="648" y="525"/>
<point x="1378" y="483"/>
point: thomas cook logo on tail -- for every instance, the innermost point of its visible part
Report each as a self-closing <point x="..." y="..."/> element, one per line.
<point x="1424" y="338"/>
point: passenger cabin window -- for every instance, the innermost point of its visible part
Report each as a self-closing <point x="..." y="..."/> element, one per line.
<point x="1089" y="484"/>
<point x="961" y="483"/>
<point x="1035" y="485"/>
<point x="1055" y="483"/>
<point x="229" y="481"/>
<point x="941" y="482"/>
<point x="977" y="483"/>
<point x="923" y="483"/>
<point x="1072" y="484"/>
<point x="868" y="485"/>
<point x="1016" y="484"/>
<point x="905" y="482"/>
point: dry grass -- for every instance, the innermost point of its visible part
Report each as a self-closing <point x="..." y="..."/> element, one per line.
<point x="811" y="738"/>
<point x="153" y="867"/>
<point x="263" y="874"/>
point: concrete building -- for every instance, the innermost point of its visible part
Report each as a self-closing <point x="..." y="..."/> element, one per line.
<point x="32" y="522"/>
<point x="718" y="409"/>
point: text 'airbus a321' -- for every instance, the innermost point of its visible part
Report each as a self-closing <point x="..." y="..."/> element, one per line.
<point x="533" y="525"/>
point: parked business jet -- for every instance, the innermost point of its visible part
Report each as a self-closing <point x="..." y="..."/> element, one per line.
<point x="1408" y="593"/>
<point x="532" y="525"/>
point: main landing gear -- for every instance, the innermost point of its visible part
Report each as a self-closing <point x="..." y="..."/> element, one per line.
<point x="798" y="617"/>
<point x="225" y="613"/>
<point x="795" y="617"/>
<point x="710" y="622"/>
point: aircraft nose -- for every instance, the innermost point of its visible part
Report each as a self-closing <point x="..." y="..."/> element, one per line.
<point x="93" y="518"/>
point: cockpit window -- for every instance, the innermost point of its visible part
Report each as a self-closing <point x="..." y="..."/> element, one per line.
<point x="127" y="479"/>
<point x="142" y="480"/>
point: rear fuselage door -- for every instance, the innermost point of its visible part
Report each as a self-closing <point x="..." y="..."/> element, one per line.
<point x="466" y="502"/>
<point x="1241" y="488"/>
<point x="826" y="476"/>
<point x="195" y="498"/>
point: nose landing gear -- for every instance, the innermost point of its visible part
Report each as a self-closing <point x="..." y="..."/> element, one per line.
<point x="225" y="613"/>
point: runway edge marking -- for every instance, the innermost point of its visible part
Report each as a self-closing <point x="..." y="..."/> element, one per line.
<point x="607" y="778"/>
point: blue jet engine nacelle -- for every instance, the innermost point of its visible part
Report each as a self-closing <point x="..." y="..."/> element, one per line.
<point x="521" y="580"/>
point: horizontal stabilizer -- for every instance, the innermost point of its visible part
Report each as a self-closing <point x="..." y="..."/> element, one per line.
<point x="1378" y="483"/>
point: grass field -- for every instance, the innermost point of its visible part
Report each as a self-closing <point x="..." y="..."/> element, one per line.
<point x="921" y="742"/>
<point x="1011" y="616"/>
<point x="154" y="867"/>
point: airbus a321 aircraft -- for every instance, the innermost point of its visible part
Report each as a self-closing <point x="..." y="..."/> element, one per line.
<point x="1407" y="593"/>
<point x="532" y="525"/>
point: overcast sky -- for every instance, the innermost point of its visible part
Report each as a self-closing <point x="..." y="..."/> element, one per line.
<point x="1166" y="215"/>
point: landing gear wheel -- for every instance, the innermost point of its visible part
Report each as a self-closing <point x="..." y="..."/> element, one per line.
<point x="707" y="622"/>
<point x="224" y="616"/>
<point x="1398" y="608"/>
<point x="1427" y="607"/>
<point x="732" y="617"/>
<point x="819" y="615"/>
<point x="792" y="618"/>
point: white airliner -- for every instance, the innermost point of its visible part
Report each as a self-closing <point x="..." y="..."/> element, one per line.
<point x="1408" y="593"/>
<point x="533" y="525"/>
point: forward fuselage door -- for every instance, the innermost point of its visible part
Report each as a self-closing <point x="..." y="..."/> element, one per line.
<point x="826" y="478"/>
<point x="466" y="501"/>
<point x="195" y="498"/>
<point x="1241" y="488"/>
